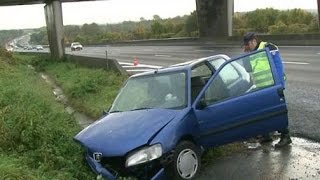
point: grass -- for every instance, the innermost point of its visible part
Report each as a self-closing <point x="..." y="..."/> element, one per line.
<point x="89" y="90"/>
<point x="36" y="132"/>
<point x="220" y="152"/>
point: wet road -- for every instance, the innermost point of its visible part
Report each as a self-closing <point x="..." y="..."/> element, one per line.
<point x="300" y="160"/>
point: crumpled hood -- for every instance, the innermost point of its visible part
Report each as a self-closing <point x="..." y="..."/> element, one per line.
<point x="118" y="133"/>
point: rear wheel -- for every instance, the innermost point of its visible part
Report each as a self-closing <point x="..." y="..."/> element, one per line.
<point x="186" y="162"/>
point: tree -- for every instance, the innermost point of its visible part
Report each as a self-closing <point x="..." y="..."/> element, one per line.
<point x="157" y="28"/>
<point x="39" y="38"/>
<point x="279" y="28"/>
<point x="192" y="23"/>
<point x="70" y="33"/>
<point x="90" y="29"/>
<point x="261" y="19"/>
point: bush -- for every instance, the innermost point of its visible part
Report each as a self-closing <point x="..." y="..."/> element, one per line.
<point x="298" y="28"/>
<point x="279" y="28"/>
<point x="6" y="56"/>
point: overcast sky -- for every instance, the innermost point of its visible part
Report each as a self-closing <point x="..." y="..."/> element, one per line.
<point x="113" y="11"/>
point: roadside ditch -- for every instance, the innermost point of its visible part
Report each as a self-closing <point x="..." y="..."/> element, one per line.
<point x="82" y="119"/>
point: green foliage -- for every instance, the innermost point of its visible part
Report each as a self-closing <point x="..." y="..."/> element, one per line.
<point x="296" y="16"/>
<point x="35" y="129"/>
<point x="8" y="35"/>
<point x="90" y="90"/>
<point x="261" y="19"/>
<point x="271" y="21"/>
<point x="279" y="28"/>
<point x="12" y="168"/>
<point x="93" y="33"/>
<point x="298" y="28"/>
<point x="192" y="24"/>
<point x="40" y="37"/>
<point x="157" y="28"/>
<point x="6" y="56"/>
<point x="221" y="151"/>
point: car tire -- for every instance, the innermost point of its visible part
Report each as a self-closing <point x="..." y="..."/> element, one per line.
<point x="186" y="162"/>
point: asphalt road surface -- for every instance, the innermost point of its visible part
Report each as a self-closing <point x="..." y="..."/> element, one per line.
<point x="302" y="65"/>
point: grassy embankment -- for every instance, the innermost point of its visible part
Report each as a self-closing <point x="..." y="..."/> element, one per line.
<point x="36" y="132"/>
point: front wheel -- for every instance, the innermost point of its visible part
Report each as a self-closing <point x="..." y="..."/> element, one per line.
<point x="186" y="162"/>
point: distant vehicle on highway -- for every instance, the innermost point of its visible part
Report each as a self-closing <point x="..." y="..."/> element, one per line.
<point x="10" y="49"/>
<point x="76" y="46"/>
<point x="162" y="120"/>
<point x="39" y="47"/>
<point x="28" y="47"/>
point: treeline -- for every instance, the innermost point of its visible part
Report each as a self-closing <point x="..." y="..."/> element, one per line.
<point x="8" y="35"/>
<point x="273" y="21"/>
<point x="264" y="21"/>
<point x="157" y="28"/>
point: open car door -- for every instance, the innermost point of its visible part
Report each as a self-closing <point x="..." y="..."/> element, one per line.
<point x="244" y="98"/>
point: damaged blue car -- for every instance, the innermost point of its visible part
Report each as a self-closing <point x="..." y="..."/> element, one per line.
<point x="162" y="120"/>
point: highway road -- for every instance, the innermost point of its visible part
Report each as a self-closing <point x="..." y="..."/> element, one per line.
<point x="302" y="65"/>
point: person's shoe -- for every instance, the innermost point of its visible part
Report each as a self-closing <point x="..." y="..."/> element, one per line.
<point x="284" y="141"/>
<point x="266" y="139"/>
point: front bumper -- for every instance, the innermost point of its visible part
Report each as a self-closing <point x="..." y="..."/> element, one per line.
<point x="107" y="174"/>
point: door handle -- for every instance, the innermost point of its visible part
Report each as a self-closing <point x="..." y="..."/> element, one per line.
<point x="281" y="92"/>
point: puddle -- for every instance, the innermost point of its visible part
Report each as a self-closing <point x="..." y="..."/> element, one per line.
<point x="252" y="145"/>
<point x="82" y="119"/>
<point x="299" y="160"/>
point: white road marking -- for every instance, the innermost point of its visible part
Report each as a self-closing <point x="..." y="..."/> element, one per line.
<point x="299" y="63"/>
<point x="161" y="55"/>
<point x="127" y="65"/>
<point x="318" y="53"/>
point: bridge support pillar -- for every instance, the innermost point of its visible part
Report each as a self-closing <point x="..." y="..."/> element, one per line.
<point x="318" y="1"/>
<point x="53" y="14"/>
<point x="215" y="18"/>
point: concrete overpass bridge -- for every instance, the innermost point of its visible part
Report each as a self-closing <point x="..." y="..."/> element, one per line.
<point x="214" y="19"/>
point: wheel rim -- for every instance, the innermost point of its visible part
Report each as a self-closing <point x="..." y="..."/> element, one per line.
<point x="187" y="163"/>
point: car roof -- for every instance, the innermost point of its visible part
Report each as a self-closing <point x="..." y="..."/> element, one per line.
<point x="183" y="66"/>
<point x="197" y="61"/>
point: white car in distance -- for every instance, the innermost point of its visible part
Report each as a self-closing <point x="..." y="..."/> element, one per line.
<point x="76" y="46"/>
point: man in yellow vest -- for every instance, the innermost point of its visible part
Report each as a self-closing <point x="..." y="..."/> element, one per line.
<point x="258" y="65"/>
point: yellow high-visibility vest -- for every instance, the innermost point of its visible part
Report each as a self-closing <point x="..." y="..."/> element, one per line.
<point x="262" y="74"/>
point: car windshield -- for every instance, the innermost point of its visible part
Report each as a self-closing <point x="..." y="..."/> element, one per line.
<point x="76" y="43"/>
<point x="165" y="90"/>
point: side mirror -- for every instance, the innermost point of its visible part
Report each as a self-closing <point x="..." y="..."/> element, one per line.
<point x="201" y="104"/>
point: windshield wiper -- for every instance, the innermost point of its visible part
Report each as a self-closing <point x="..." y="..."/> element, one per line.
<point x="142" y="108"/>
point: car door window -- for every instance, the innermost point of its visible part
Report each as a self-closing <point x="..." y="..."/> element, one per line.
<point x="244" y="75"/>
<point x="199" y="76"/>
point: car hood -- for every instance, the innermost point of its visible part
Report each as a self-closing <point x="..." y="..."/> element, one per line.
<point x="118" y="133"/>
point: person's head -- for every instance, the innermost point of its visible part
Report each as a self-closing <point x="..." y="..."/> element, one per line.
<point x="249" y="41"/>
